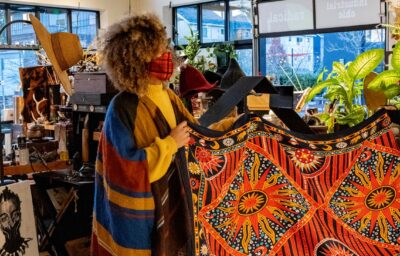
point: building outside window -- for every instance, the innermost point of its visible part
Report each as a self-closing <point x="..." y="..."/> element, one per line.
<point x="10" y="62"/>
<point x="240" y="20"/>
<point x="213" y="19"/>
<point x="186" y="23"/>
<point x="284" y="59"/>
<point x="22" y="33"/>
<point x="299" y="63"/>
<point x="84" y="24"/>
<point x="245" y="57"/>
<point x="55" y="20"/>
<point x="3" y="21"/>
<point x="21" y="51"/>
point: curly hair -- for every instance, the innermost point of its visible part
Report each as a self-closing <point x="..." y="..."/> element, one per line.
<point x="8" y="195"/>
<point x="127" y="47"/>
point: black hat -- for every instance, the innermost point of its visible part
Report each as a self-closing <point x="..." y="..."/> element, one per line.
<point x="232" y="75"/>
<point x="212" y="77"/>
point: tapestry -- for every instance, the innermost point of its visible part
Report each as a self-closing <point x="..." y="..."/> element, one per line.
<point x="261" y="190"/>
<point x="17" y="222"/>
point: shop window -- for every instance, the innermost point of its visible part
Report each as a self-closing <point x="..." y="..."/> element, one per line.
<point x="245" y="60"/>
<point x="22" y="33"/>
<point x="84" y="24"/>
<point x="213" y="19"/>
<point x="240" y="20"/>
<point x="205" y="33"/>
<point x="301" y="64"/>
<point x="10" y="61"/>
<point x="186" y="23"/>
<point x="3" y="21"/>
<point x="55" y="20"/>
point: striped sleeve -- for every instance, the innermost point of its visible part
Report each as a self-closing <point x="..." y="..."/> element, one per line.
<point x="124" y="206"/>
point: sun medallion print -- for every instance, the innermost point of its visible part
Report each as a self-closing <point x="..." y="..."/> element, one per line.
<point x="333" y="247"/>
<point x="307" y="161"/>
<point x="211" y="164"/>
<point x="368" y="199"/>
<point x="257" y="208"/>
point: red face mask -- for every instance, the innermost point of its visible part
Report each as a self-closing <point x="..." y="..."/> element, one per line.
<point x="162" y="67"/>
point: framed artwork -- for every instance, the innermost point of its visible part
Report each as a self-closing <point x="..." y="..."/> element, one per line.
<point x="17" y="222"/>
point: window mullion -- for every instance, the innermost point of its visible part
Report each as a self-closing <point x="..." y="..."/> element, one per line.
<point x="8" y="19"/>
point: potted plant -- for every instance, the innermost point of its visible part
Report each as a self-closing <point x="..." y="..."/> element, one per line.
<point x="192" y="52"/>
<point x="343" y="85"/>
<point x="388" y="80"/>
<point x="223" y="53"/>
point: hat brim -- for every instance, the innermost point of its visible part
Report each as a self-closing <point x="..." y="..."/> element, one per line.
<point x="204" y="88"/>
<point x="44" y="38"/>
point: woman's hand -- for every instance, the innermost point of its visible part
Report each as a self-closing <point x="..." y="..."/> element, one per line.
<point x="180" y="134"/>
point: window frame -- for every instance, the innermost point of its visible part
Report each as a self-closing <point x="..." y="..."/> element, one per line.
<point x="315" y="30"/>
<point x="37" y="8"/>
<point x="238" y="44"/>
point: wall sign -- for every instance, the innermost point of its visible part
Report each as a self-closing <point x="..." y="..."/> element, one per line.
<point x="288" y="15"/>
<point x="344" y="13"/>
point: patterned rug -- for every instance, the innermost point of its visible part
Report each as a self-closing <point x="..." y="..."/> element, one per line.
<point x="261" y="190"/>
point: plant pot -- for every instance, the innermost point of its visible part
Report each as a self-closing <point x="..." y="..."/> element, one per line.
<point x="341" y="127"/>
<point x="222" y="59"/>
<point x="319" y="129"/>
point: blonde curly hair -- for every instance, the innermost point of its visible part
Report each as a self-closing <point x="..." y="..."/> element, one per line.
<point x="127" y="47"/>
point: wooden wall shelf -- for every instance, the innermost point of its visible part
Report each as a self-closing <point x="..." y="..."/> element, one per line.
<point x="36" y="167"/>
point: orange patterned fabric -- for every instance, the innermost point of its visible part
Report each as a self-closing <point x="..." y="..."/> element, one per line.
<point x="262" y="190"/>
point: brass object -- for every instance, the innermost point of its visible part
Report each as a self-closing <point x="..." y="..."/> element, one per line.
<point x="36" y="132"/>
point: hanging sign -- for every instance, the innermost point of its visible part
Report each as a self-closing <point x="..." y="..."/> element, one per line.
<point x="344" y="13"/>
<point x="288" y="15"/>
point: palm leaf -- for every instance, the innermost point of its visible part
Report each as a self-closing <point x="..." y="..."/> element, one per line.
<point x="321" y="75"/>
<point x="365" y="63"/>
<point x="392" y="91"/>
<point x="396" y="57"/>
<point x="384" y="79"/>
<point x="318" y="88"/>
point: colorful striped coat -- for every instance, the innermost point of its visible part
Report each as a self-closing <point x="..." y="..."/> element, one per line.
<point x="125" y="221"/>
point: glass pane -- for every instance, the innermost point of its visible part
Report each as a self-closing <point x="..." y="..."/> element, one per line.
<point x="55" y="20"/>
<point x="213" y="22"/>
<point x="245" y="59"/>
<point x="186" y="21"/>
<point x="10" y="61"/>
<point x="240" y="21"/>
<point x="3" y="21"/>
<point x="22" y="33"/>
<point x="298" y="60"/>
<point x="84" y="24"/>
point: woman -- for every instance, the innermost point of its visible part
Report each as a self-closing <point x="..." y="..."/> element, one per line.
<point x="139" y="208"/>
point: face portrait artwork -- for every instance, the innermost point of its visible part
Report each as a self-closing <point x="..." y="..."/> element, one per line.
<point x="17" y="223"/>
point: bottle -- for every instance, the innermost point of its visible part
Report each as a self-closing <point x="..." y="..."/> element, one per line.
<point x="23" y="151"/>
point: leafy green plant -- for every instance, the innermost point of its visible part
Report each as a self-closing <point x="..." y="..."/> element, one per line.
<point x="192" y="51"/>
<point x="388" y="80"/>
<point x="344" y="84"/>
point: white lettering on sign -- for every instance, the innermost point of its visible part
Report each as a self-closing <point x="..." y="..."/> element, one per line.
<point x="344" y="13"/>
<point x="343" y="4"/>
<point x="286" y="16"/>
<point x="345" y="9"/>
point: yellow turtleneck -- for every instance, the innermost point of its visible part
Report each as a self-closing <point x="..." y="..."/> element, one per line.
<point x="160" y="153"/>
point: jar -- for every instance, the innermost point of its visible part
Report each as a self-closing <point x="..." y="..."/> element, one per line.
<point x="23" y="151"/>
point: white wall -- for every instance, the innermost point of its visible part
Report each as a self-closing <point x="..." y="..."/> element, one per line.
<point x="162" y="8"/>
<point x="113" y="10"/>
<point x="110" y="10"/>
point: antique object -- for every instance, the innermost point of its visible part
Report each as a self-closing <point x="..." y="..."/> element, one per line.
<point x="36" y="132"/>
